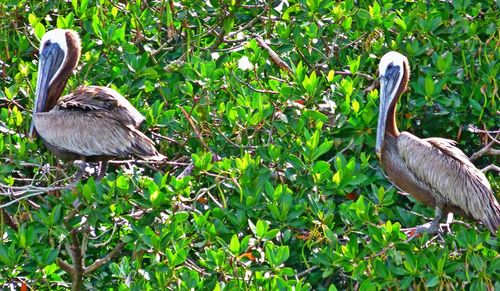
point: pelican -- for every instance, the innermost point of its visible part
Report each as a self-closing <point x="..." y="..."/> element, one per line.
<point x="432" y="170"/>
<point x="92" y="124"/>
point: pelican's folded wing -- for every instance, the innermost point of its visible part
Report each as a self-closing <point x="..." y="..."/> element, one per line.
<point x="93" y="133"/>
<point x="454" y="179"/>
<point x="89" y="98"/>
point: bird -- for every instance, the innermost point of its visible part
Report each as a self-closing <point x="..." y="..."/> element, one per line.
<point x="433" y="170"/>
<point x="91" y="124"/>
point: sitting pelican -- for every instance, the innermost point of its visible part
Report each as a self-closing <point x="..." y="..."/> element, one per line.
<point x="91" y="124"/>
<point x="432" y="170"/>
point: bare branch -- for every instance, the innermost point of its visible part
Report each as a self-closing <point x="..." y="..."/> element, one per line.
<point x="28" y="191"/>
<point x="274" y="56"/>
<point x="490" y="167"/>
<point x="252" y="88"/>
<point x="106" y="259"/>
<point x="487" y="149"/>
<point x="200" y="138"/>
<point x="248" y="24"/>
<point x="65" y="266"/>
<point x="307" y="271"/>
<point x="78" y="264"/>
<point x="187" y="171"/>
<point x="474" y="129"/>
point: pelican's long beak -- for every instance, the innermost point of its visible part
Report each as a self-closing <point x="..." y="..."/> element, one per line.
<point x="389" y="84"/>
<point x="50" y="60"/>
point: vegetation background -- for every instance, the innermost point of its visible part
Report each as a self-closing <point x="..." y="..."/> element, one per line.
<point x="275" y="103"/>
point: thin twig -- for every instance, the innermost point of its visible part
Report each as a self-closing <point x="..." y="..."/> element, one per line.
<point x="486" y="150"/>
<point x="35" y="192"/>
<point x="145" y="162"/>
<point x="273" y="55"/>
<point x="200" y="138"/>
<point x="118" y="248"/>
<point x="348" y="73"/>
<point x="490" y="167"/>
<point x="307" y="271"/>
<point x="474" y="129"/>
<point x="248" y="24"/>
<point x="187" y="171"/>
<point x="252" y="88"/>
<point x="235" y="144"/>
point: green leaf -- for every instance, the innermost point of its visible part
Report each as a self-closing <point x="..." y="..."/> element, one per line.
<point x="355" y="106"/>
<point x="429" y="85"/>
<point x="234" y="245"/>
<point x="292" y="9"/>
<point x="432" y="281"/>
<point x="322" y="149"/>
<point x="39" y="30"/>
<point x="122" y="182"/>
<point x="261" y="228"/>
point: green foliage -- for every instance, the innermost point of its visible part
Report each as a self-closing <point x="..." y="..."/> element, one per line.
<point x="286" y="191"/>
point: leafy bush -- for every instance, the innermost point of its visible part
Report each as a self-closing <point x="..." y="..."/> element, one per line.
<point x="286" y="191"/>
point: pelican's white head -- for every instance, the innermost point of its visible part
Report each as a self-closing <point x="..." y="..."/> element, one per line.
<point x="394" y="74"/>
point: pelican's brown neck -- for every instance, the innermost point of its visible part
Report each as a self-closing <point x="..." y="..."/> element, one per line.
<point x="391" y="126"/>
<point x="59" y="82"/>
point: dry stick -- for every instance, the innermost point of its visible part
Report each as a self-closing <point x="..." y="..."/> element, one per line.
<point x="175" y="65"/>
<point x="252" y="88"/>
<point x="307" y="271"/>
<point x="235" y="144"/>
<point x="186" y="172"/>
<point x="106" y="259"/>
<point x="165" y="137"/>
<point x="347" y="73"/>
<point x="190" y="167"/>
<point x="249" y="24"/>
<point x="474" y="129"/>
<point x="145" y="162"/>
<point x="219" y="39"/>
<point x="490" y="167"/>
<point x="352" y="42"/>
<point x="274" y="56"/>
<point x="34" y="193"/>
<point x="200" y="138"/>
<point x="65" y="266"/>
<point x="232" y="48"/>
<point x="486" y="150"/>
<point x="198" y="269"/>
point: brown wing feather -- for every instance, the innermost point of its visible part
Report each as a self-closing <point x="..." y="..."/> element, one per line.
<point x="93" y="133"/>
<point x="95" y="121"/>
<point x="101" y="98"/>
<point x="453" y="178"/>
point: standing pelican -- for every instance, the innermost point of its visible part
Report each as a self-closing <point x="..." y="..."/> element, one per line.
<point x="432" y="170"/>
<point x="91" y="124"/>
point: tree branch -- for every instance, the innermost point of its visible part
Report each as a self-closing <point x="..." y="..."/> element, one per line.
<point x="487" y="149"/>
<point x="490" y="167"/>
<point x="118" y="248"/>
<point x="77" y="256"/>
<point x="274" y="56"/>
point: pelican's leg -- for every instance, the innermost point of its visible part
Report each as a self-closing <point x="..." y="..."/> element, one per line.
<point x="432" y="227"/>
<point x="81" y="170"/>
<point x="103" y="166"/>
